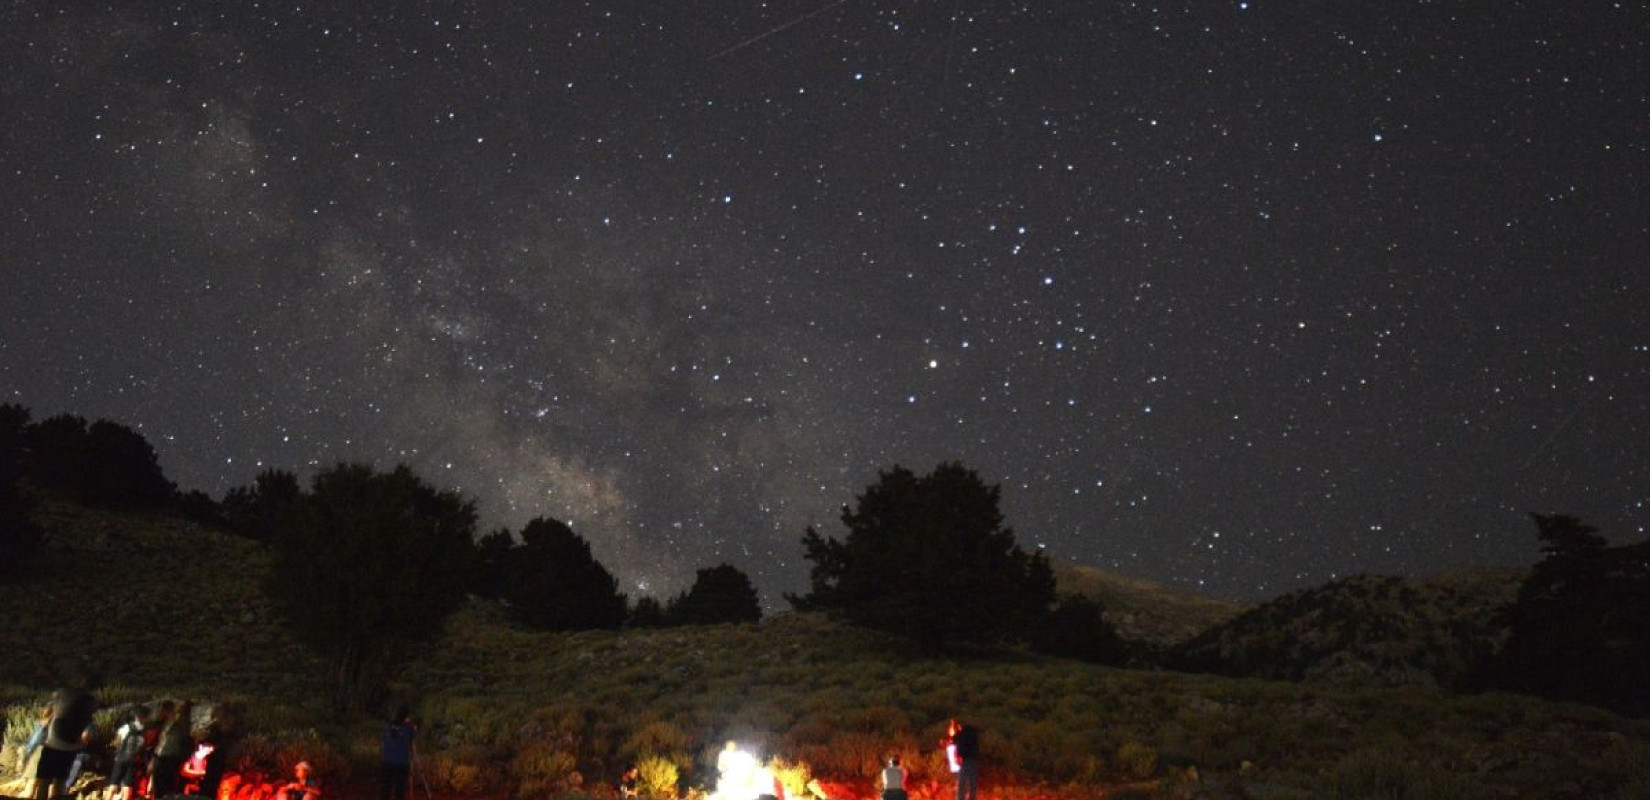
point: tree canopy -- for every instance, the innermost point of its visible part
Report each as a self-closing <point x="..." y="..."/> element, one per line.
<point x="719" y="594"/>
<point x="553" y="581"/>
<point x="367" y="565"/>
<point x="1580" y="628"/>
<point x="928" y="557"/>
<point x="254" y="510"/>
<point x="20" y="537"/>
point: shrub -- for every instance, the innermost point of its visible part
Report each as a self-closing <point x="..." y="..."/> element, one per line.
<point x="541" y="771"/>
<point x="1387" y="774"/>
<point x="659" y="776"/>
<point x="463" y="771"/>
<point x="1136" y="760"/>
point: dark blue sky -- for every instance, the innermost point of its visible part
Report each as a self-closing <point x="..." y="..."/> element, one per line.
<point x="1240" y="296"/>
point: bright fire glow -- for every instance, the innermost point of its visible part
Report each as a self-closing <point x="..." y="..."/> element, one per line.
<point x="740" y="776"/>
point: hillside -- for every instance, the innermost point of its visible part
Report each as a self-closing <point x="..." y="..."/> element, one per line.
<point x="1365" y="630"/>
<point x="515" y="713"/>
<point x="1144" y="611"/>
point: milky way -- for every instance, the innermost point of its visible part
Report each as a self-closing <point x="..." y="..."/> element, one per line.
<point x="1240" y="296"/>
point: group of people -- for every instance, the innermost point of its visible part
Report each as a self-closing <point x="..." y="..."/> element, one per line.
<point x="155" y="750"/>
<point x="962" y="755"/>
<point x="156" y="755"/>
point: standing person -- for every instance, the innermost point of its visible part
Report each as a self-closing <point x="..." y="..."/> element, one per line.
<point x="220" y="734"/>
<point x="66" y="736"/>
<point x="130" y="752"/>
<point x="893" y="780"/>
<point x="967" y="742"/>
<point x="395" y="769"/>
<point x="28" y="758"/>
<point x="173" y="748"/>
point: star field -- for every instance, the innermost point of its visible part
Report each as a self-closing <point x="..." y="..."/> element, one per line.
<point x="1238" y="296"/>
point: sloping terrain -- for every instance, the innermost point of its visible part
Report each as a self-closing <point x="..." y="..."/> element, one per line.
<point x="1365" y="630"/>
<point x="129" y="597"/>
<point x="1142" y="610"/>
<point x="515" y="713"/>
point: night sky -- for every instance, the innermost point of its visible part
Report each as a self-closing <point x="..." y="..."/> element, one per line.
<point x="1238" y="296"/>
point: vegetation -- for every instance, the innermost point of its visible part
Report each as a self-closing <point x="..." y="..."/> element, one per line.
<point x="254" y="511"/>
<point x="1435" y="632"/>
<point x="509" y="711"/>
<point x="366" y="564"/>
<point x="1145" y="612"/>
<point x="552" y="581"/>
<point x="101" y="464"/>
<point x="719" y="594"/>
<point x="1581" y="627"/>
<point x="929" y="558"/>
<point x="20" y="537"/>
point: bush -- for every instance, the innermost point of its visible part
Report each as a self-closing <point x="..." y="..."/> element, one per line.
<point x="462" y="771"/>
<point x="1137" y="760"/>
<point x="1395" y="775"/>
<point x="659" y="776"/>
<point x="541" y="771"/>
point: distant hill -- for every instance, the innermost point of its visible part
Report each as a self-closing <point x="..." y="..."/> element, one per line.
<point x="1367" y="630"/>
<point x="130" y="596"/>
<point x="1142" y="610"/>
<point x="160" y="607"/>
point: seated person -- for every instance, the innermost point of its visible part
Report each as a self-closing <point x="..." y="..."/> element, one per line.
<point x="301" y="787"/>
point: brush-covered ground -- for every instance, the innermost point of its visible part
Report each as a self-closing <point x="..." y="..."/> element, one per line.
<point x="159" y="607"/>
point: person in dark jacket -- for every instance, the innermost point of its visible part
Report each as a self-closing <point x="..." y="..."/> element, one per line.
<point x="395" y="767"/>
<point x="176" y="742"/>
<point x="66" y="737"/>
<point x="968" y="754"/>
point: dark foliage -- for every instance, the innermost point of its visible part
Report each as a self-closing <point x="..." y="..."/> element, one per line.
<point x="1581" y="626"/>
<point x="20" y="537"/>
<point x="367" y="565"/>
<point x="492" y="553"/>
<point x="105" y="464"/>
<point x="1078" y="629"/>
<point x="647" y="613"/>
<point x="928" y="558"/>
<point x="552" y="581"/>
<point x="719" y="594"/>
<point x="1364" y="629"/>
<point x="253" y="511"/>
<point x="198" y="506"/>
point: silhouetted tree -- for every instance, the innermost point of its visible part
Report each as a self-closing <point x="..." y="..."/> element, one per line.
<point x="647" y="613"/>
<point x="1580" y="628"/>
<point x="253" y="511"/>
<point x="1078" y="628"/>
<point x="106" y="464"/>
<point x="492" y="555"/>
<point x="719" y="594"/>
<point x="553" y="581"/>
<point x="14" y="430"/>
<point x="20" y="537"/>
<point x="57" y="451"/>
<point x="367" y="565"/>
<point x="929" y="558"/>
<point x="1563" y="535"/>
<point x="199" y="506"/>
<point x="124" y="469"/>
